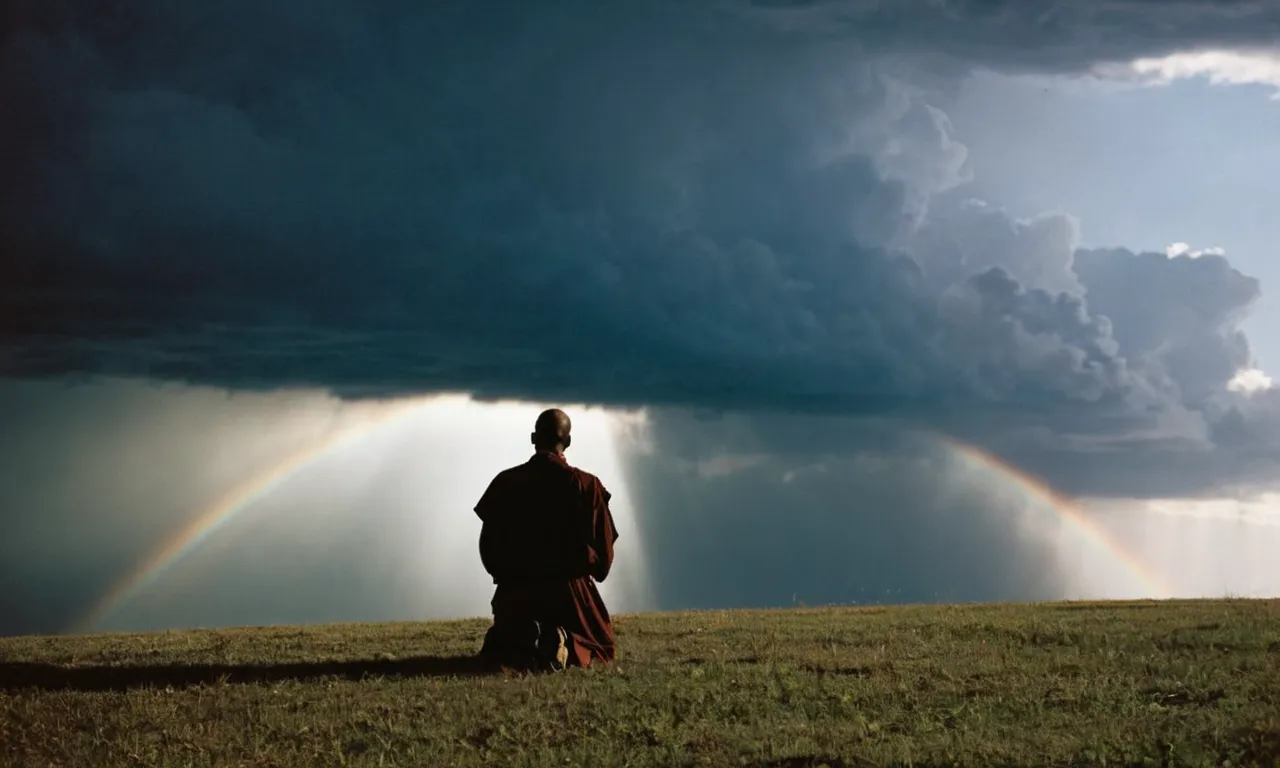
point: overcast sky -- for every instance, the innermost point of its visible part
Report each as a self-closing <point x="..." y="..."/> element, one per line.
<point x="820" y="254"/>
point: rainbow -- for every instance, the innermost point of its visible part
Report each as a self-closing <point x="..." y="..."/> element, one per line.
<point x="1066" y="510"/>
<point x="226" y="508"/>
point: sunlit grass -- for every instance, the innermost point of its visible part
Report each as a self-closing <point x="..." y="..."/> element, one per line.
<point x="1169" y="683"/>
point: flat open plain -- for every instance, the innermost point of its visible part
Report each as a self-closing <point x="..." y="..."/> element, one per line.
<point x="1137" y="683"/>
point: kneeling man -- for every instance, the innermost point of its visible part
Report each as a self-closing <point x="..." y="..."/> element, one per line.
<point x="547" y="538"/>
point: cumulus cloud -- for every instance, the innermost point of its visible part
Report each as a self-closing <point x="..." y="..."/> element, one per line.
<point x="967" y="236"/>
<point x="1250" y="380"/>
<point x="722" y="206"/>
<point x="1179" y="318"/>
<point x="1220" y="67"/>
<point x="1174" y="250"/>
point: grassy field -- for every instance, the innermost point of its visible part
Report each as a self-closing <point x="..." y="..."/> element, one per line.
<point x="1169" y="683"/>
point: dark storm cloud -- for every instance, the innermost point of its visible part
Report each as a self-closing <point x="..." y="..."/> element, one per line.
<point x="1039" y="35"/>
<point x="657" y="203"/>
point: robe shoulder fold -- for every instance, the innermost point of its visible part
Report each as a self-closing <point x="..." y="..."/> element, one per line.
<point x="545" y="520"/>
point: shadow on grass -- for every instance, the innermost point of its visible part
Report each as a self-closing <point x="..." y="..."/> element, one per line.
<point x="52" y="677"/>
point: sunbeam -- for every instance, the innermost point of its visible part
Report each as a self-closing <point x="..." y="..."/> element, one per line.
<point x="373" y="521"/>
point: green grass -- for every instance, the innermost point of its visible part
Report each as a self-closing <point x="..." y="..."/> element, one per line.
<point x="1168" y="683"/>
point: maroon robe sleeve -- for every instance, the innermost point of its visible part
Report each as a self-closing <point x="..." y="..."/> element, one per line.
<point x="489" y="544"/>
<point x="603" y="532"/>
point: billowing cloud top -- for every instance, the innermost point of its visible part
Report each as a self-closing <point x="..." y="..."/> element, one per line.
<point x="727" y="205"/>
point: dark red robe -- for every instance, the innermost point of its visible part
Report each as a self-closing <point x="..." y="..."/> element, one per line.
<point x="547" y="538"/>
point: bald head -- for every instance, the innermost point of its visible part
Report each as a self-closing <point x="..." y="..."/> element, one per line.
<point x="551" y="431"/>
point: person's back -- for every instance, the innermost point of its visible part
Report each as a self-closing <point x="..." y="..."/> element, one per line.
<point x="547" y="537"/>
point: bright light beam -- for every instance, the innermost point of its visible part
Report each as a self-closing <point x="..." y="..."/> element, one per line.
<point x="451" y="447"/>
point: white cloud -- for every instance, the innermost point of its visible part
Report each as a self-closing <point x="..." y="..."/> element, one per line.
<point x="1220" y="67"/>
<point x="1250" y="381"/>
<point x="1182" y="249"/>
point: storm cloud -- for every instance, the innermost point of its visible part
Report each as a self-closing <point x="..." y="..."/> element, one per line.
<point x="727" y="206"/>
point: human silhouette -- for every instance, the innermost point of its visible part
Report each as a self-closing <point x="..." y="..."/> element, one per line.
<point x="547" y="538"/>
